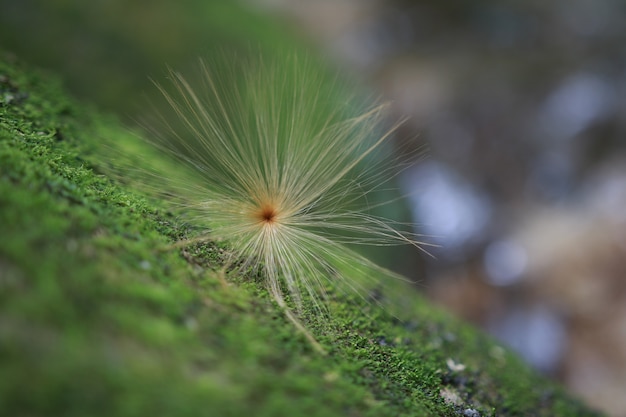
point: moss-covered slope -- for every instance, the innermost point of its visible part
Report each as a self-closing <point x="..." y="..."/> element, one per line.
<point x="97" y="320"/>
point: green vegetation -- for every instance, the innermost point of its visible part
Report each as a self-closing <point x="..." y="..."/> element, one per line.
<point x="99" y="318"/>
<point x="107" y="50"/>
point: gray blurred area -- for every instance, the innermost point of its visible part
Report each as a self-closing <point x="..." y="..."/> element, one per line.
<point x="522" y="106"/>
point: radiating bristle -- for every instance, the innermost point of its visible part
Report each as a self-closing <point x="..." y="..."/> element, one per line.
<point x="283" y="161"/>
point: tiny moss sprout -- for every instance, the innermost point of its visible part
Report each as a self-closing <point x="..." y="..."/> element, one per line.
<point x="279" y="162"/>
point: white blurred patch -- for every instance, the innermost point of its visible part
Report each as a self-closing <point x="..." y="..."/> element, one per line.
<point x="535" y="333"/>
<point x="505" y="262"/>
<point x="445" y="206"/>
<point x="580" y="100"/>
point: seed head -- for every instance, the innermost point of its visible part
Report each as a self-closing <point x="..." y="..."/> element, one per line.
<point x="282" y="162"/>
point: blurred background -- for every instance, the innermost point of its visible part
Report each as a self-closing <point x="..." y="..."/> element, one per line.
<point x="520" y="104"/>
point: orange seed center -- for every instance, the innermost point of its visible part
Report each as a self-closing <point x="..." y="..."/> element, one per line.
<point x="267" y="214"/>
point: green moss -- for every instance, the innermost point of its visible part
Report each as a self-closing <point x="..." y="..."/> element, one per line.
<point x="98" y="317"/>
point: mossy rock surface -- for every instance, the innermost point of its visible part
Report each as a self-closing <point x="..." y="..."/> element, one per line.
<point x="101" y="316"/>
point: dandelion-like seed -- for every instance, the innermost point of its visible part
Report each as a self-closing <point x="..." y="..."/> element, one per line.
<point x="282" y="163"/>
